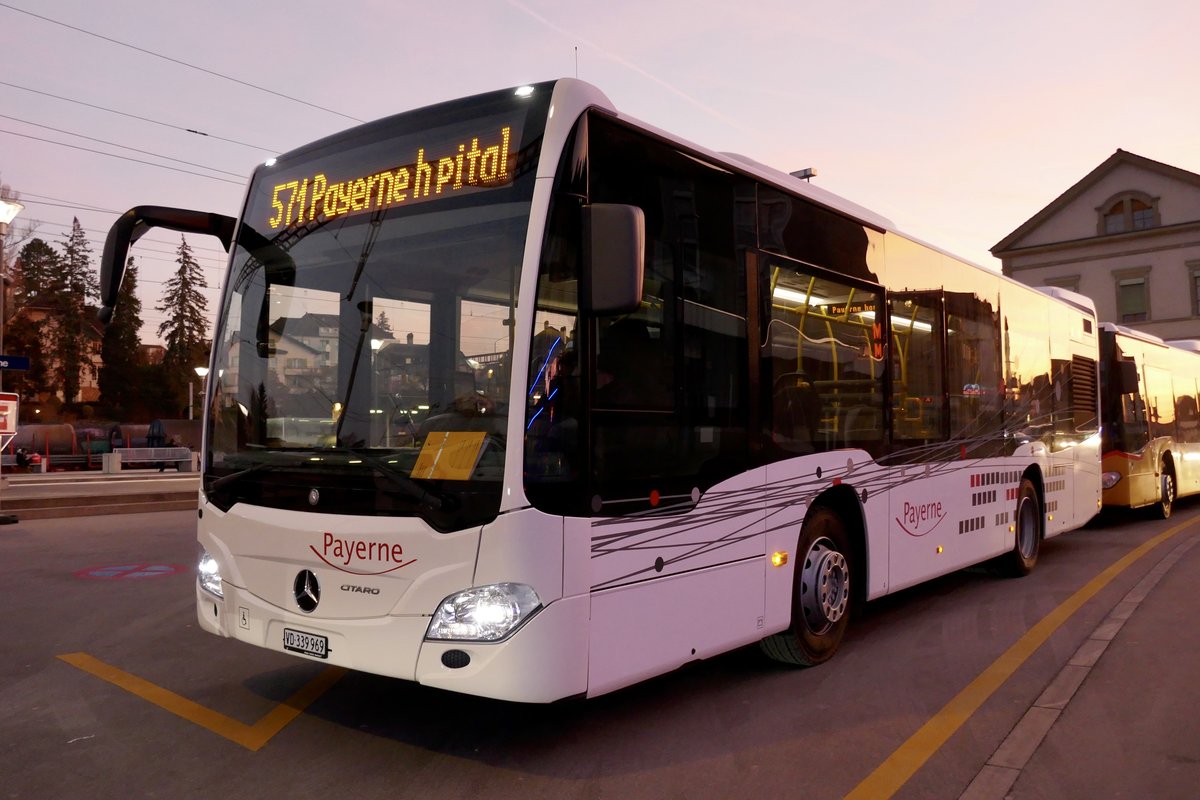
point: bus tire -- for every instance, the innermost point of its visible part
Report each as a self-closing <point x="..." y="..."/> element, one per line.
<point x="1167" y="499"/>
<point x="1028" y="524"/>
<point x="821" y="593"/>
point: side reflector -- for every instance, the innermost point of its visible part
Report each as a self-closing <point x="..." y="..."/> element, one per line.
<point x="778" y="559"/>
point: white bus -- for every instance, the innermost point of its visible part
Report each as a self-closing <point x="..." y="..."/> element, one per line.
<point x="520" y="397"/>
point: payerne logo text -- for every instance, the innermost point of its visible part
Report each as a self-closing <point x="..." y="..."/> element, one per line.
<point x="359" y="556"/>
<point x="918" y="519"/>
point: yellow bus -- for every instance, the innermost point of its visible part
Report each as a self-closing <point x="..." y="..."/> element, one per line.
<point x="1151" y="440"/>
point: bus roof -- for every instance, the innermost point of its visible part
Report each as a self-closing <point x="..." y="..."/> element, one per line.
<point x="1132" y="333"/>
<point x="776" y="177"/>
<point x="1082" y="302"/>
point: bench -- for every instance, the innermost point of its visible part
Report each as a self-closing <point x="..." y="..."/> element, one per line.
<point x="181" y="457"/>
<point x="9" y="463"/>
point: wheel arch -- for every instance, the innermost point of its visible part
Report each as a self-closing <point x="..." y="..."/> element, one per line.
<point x="1167" y="459"/>
<point x="1033" y="473"/>
<point x="844" y="501"/>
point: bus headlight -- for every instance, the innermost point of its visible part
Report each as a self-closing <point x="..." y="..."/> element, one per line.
<point x="484" y="614"/>
<point x="209" y="573"/>
<point x="1110" y="479"/>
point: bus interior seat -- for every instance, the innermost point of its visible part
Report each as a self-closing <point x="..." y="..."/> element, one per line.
<point x="796" y="412"/>
<point x="631" y="358"/>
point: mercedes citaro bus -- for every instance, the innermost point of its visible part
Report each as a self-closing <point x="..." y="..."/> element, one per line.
<point x="519" y="396"/>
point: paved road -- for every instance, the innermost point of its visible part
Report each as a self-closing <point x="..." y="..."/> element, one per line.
<point x="1130" y="730"/>
<point x="1102" y="705"/>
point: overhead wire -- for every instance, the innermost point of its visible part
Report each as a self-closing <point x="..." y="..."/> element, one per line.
<point x="143" y="119"/>
<point x="123" y="147"/>
<point x="148" y="316"/>
<point x="191" y="246"/>
<point x="178" y="61"/>
<point x="123" y="158"/>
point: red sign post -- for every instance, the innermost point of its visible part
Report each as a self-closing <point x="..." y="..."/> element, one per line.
<point x="8" y="429"/>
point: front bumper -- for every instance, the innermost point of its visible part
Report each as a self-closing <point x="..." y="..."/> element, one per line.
<point x="546" y="659"/>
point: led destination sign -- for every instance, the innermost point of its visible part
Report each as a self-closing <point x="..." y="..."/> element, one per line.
<point x="474" y="162"/>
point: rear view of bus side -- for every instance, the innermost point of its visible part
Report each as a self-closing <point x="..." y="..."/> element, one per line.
<point x="1151" y="419"/>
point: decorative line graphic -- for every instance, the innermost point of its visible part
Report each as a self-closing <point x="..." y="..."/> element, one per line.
<point x="782" y="505"/>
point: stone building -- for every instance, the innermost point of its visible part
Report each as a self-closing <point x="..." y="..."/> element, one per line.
<point x="1127" y="235"/>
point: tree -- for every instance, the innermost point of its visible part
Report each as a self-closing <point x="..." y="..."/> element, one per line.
<point x="383" y="323"/>
<point x="34" y="269"/>
<point x="186" y="323"/>
<point x="23" y="336"/>
<point x="37" y="269"/>
<point x="119" y="385"/>
<point x="74" y="285"/>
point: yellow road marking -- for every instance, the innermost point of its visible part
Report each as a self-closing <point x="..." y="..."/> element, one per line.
<point x="893" y="773"/>
<point x="252" y="737"/>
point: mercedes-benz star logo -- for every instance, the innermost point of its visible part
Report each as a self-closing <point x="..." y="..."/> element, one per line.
<point x="314" y="497"/>
<point x="307" y="591"/>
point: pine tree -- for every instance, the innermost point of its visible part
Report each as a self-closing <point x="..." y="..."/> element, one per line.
<point x="23" y="337"/>
<point x="183" y="331"/>
<point x="37" y="266"/>
<point x="72" y="288"/>
<point x="119" y="348"/>
<point x="383" y="323"/>
<point x="37" y="269"/>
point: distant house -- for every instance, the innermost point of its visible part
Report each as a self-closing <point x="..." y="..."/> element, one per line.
<point x="151" y="354"/>
<point x="318" y="333"/>
<point x="89" y="375"/>
<point x="46" y="321"/>
<point x="1127" y="235"/>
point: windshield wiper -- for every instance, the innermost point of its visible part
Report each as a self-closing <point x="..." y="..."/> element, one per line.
<point x="422" y="494"/>
<point x="364" y="310"/>
<point x="232" y="477"/>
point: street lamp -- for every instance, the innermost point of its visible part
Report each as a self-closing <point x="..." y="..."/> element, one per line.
<point x="201" y="373"/>
<point x="8" y="212"/>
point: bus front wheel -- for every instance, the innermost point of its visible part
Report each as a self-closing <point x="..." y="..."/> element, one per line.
<point x="821" y="593"/>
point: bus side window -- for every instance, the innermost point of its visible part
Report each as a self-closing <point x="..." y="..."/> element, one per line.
<point x="629" y="367"/>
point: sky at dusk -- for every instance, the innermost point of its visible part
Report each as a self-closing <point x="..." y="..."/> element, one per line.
<point x="956" y="120"/>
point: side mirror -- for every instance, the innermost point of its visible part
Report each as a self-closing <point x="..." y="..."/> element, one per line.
<point x="136" y="222"/>
<point x="614" y="246"/>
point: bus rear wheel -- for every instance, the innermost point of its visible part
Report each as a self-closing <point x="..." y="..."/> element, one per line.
<point x="821" y="593"/>
<point x="1024" y="555"/>
<point x="1167" y="500"/>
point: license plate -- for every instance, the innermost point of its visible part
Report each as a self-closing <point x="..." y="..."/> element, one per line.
<point x="308" y="643"/>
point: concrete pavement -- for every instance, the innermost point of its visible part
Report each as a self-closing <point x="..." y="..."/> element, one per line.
<point x="1117" y="720"/>
<point x="51" y="495"/>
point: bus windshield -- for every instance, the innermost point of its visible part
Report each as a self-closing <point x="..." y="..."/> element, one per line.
<point x="362" y="353"/>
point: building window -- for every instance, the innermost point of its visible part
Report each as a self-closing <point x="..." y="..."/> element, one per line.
<point x="1193" y="268"/>
<point x="1128" y="211"/>
<point x="1132" y="305"/>
<point x="1068" y="282"/>
<point x="1143" y="215"/>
